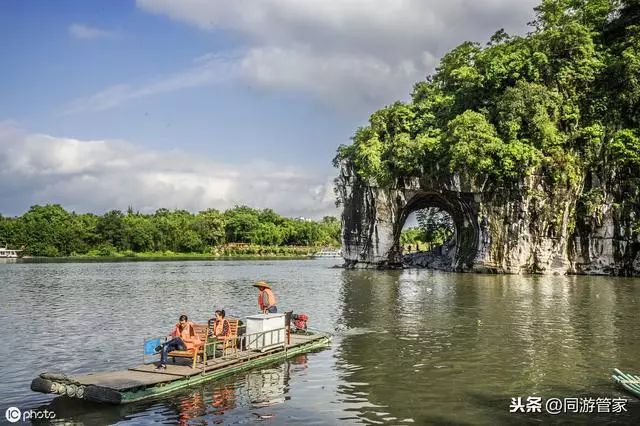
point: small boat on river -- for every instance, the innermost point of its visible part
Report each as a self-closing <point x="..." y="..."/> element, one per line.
<point x="6" y="253"/>
<point x="628" y="381"/>
<point x="144" y="381"/>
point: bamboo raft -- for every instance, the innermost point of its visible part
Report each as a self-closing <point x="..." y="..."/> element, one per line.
<point x="144" y="381"/>
<point x="628" y="381"/>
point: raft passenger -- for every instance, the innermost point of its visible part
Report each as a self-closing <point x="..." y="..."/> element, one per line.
<point x="219" y="330"/>
<point x="219" y="326"/>
<point x="184" y="338"/>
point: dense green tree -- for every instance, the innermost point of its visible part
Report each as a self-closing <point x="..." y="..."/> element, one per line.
<point x="52" y="231"/>
<point x="139" y="232"/>
<point x="436" y="225"/>
<point x="110" y="229"/>
<point x="209" y="224"/>
<point x="189" y="242"/>
<point x="240" y="223"/>
<point x="46" y="230"/>
<point x="557" y="101"/>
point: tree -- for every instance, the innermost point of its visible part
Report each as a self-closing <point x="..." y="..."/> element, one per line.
<point x="546" y="102"/>
<point x="110" y="229"/>
<point x="46" y="230"/>
<point x="436" y="225"/>
<point x="210" y="227"/>
<point x="240" y="225"/>
<point x="139" y="232"/>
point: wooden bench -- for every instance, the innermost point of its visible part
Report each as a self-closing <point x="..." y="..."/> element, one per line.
<point x="202" y="331"/>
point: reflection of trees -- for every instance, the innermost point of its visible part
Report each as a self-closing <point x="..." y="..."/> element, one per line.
<point x="418" y="344"/>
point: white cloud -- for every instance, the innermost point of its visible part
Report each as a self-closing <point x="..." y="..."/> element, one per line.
<point x="353" y="55"/>
<point x="99" y="175"/>
<point x="339" y="79"/>
<point x="366" y="52"/>
<point x="86" y="32"/>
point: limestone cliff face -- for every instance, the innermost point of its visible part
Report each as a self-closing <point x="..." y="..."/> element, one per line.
<point x="606" y="239"/>
<point x="524" y="229"/>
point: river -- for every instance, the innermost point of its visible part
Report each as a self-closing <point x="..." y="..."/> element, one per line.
<point x="409" y="347"/>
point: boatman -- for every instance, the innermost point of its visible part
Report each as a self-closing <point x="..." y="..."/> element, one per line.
<point x="266" y="298"/>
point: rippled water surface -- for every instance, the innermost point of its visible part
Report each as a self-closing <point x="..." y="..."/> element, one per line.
<point x="410" y="347"/>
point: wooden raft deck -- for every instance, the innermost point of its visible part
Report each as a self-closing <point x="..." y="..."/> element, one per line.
<point x="628" y="381"/>
<point x="144" y="381"/>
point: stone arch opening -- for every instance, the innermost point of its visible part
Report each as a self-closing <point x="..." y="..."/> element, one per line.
<point x="461" y="250"/>
<point x="428" y="229"/>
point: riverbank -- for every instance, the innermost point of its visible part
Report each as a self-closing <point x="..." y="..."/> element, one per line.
<point x="218" y="253"/>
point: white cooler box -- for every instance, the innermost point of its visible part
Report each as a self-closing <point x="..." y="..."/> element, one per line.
<point x="261" y="323"/>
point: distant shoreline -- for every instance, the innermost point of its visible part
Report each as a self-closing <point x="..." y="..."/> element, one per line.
<point x="160" y="256"/>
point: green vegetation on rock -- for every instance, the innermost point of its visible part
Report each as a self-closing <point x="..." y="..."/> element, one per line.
<point x="560" y="101"/>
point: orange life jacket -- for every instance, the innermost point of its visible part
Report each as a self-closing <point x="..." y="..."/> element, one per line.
<point x="270" y="296"/>
<point x="218" y="328"/>
<point x="188" y="335"/>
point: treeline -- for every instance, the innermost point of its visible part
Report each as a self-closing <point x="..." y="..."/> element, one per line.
<point x="50" y="230"/>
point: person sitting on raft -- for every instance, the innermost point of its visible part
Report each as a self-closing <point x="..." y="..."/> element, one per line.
<point x="184" y="338"/>
<point x="219" y="330"/>
<point x="219" y="326"/>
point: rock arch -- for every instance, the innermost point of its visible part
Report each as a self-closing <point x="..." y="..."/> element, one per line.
<point x="524" y="229"/>
<point x="462" y="210"/>
<point x="373" y="218"/>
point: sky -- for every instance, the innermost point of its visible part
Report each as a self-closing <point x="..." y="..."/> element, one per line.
<point x="197" y="104"/>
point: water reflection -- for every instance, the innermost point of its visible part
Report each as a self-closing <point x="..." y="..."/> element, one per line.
<point x="453" y="347"/>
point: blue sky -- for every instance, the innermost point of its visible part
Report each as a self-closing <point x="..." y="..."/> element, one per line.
<point x="196" y="104"/>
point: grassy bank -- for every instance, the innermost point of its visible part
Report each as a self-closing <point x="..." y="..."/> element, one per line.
<point x="234" y="251"/>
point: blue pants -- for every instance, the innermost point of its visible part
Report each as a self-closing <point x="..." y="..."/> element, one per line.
<point x="273" y="310"/>
<point x="174" y="344"/>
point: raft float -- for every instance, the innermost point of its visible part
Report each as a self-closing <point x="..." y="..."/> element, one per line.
<point x="144" y="381"/>
<point x="628" y="381"/>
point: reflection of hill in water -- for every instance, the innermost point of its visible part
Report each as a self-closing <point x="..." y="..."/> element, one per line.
<point x="457" y="347"/>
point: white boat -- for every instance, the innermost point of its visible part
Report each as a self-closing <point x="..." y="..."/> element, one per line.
<point x="326" y="253"/>
<point x="6" y="253"/>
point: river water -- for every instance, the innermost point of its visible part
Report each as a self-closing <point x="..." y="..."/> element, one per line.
<point x="409" y="347"/>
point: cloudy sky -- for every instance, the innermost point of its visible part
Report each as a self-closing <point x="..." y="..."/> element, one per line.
<point x="196" y="104"/>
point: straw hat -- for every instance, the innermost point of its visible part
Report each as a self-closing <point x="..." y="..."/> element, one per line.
<point x="262" y="284"/>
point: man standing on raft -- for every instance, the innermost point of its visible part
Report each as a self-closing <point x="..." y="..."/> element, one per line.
<point x="266" y="298"/>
